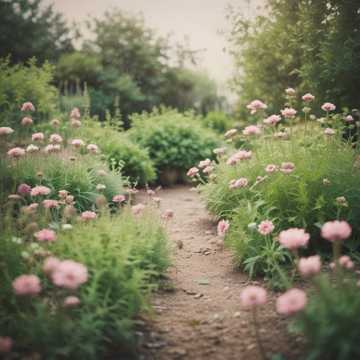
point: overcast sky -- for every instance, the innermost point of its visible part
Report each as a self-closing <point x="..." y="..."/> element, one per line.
<point x="200" y="20"/>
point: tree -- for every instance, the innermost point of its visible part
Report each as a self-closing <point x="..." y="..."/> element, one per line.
<point x="28" y="29"/>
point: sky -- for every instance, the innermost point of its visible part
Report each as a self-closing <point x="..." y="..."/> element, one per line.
<point x="199" y="20"/>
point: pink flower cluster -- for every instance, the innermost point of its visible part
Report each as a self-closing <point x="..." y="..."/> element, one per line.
<point x="26" y="285"/>
<point x="272" y="120"/>
<point x="328" y="107"/>
<point x="40" y="190"/>
<point x="253" y="296"/>
<point x="266" y="227"/>
<point x="294" y="238"/>
<point x="16" y="152"/>
<point x="309" y="266"/>
<point x="238" y="156"/>
<point x="256" y="105"/>
<point x="239" y="183"/>
<point x="291" y="302"/>
<point x="288" y="113"/>
<point x="222" y="227"/>
<point x="27" y="106"/>
<point x="5" y="130"/>
<point x="192" y="172"/>
<point x="45" y="235"/>
<point x="336" y="230"/>
<point x="251" y="130"/>
<point x="88" y="215"/>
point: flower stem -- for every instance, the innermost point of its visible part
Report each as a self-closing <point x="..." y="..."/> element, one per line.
<point x="257" y="334"/>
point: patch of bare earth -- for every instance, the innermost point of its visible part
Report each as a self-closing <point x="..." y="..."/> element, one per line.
<point x="202" y="318"/>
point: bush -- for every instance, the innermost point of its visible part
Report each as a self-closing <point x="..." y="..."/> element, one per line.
<point x="19" y="84"/>
<point x="175" y="141"/>
<point x="124" y="256"/>
<point x="218" y="121"/>
<point x="120" y="152"/>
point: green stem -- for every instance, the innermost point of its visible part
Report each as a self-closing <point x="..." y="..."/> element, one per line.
<point x="257" y="334"/>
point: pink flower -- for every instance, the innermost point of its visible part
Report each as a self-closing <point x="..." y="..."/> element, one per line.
<point x="88" y="215"/>
<point x="290" y="91"/>
<point x="222" y="227"/>
<point x="266" y="227"/>
<point x="288" y="113"/>
<point x="336" y="230"/>
<point x="50" y="204"/>
<point x="239" y="183"/>
<point x="238" y="156"/>
<point x="230" y="133"/>
<point x="33" y="206"/>
<point x="71" y="301"/>
<point x="52" y="148"/>
<point x="294" y="238"/>
<point x="27" y="106"/>
<point x="45" y="235"/>
<point x="40" y="190"/>
<point x="24" y="189"/>
<point x="204" y="163"/>
<point x="5" y="130"/>
<point x="291" y="302"/>
<point x="39" y="136"/>
<point x="55" y="139"/>
<point x="50" y="265"/>
<point x="208" y="170"/>
<point x="287" y="167"/>
<point x="192" y="172"/>
<point x="346" y="262"/>
<point x="63" y="194"/>
<point x="256" y="105"/>
<point x="26" y="121"/>
<point x="75" y="113"/>
<point x="253" y="296"/>
<point x="119" y="198"/>
<point x="349" y="118"/>
<point x="16" y="152"/>
<point x="93" y="149"/>
<point x="219" y="151"/>
<point x="308" y="97"/>
<point x="328" y="107"/>
<point x="168" y="214"/>
<point x="271" y="168"/>
<point x="74" y="123"/>
<point x="137" y="209"/>
<point x="272" y="120"/>
<point x="309" y="266"/>
<point x="26" y="285"/>
<point x="70" y="274"/>
<point x="77" y="143"/>
<point x="252" y="130"/>
<point x="329" y="132"/>
<point x="6" y="344"/>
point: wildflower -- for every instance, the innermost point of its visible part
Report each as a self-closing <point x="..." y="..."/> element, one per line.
<point x="328" y="107"/>
<point x="137" y="209"/>
<point x="32" y="149"/>
<point x="266" y="227"/>
<point x="70" y="274"/>
<point x="252" y="130"/>
<point x="92" y="149"/>
<point x="71" y="301"/>
<point x="55" y="139"/>
<point x="239" y="183"/>
<point x="336" y="230"/>
<point x="26" y="121"/>
<point x="204" y="163"/>
<point x="341" y="201"/>
<point x="309" y="266"/>
<point x="219" y="151"/>
<point x="349" y="118"/>
<point x="346" y="262"/>
<point x="63" y="194"/>
<point x="253" y="296"/>
<point x="52" y="148"/>
<point x="77" y="143"/>
<point x="291" y="302"/>
<point x="24" y="189"/>
<point x="50" y="204"/>
<point x="272" y="120"/>
<point x="288" y="113"/>
<point x="326" y="181"/>
<point x="5" y="130"/>
<point x="26" y="285"/>
<point x="329" y="131"/>
<point x="287" y="167"/>
<point x="192" y="172"/>
<point x="27" y="106"/>
<point x="33" y="206"/>
<point x="238" y="156"/>
<point x="69" y="199"/>
<point x="294" y="238"/>
<point x="256" y="105"/>
<point x="88" y="215"/>
<point x="168" y="214"/>
<point x="230" y="133"/>
<point x="6" y="344"/>
<point x="290" y="91"/>
<point x="16" y="152"/>
<point x="271" y="168"/>
<point x="39" y="136"/>
<point x="50" y="265"/>
<point x="74" y="123"/>
<point x="208" y="170"/>
<point x="40" y="190"/>
<point x="308" y="97"/>
<point x="119" y="198"/>
<point x="55" y="123"/>
<point x="45" y="235"/>
<point x="222" y="227"/>
<point x="75" y="113"/>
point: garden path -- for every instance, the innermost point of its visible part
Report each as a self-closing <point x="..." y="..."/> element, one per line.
<point x="200" y="316"/>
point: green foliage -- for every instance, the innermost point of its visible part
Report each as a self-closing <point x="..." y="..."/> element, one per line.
<point x="174" y="141"/>
<point x="124" y="256"/>
<point x="120" y="152"/>
<point x="310" y="45"/>
<point x="19" y="84"/>
<point x="218" y="121"/>
<point x="330" y="322"/>
<point x="32" y="29"/>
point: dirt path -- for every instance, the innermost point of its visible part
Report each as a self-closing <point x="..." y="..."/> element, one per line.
<point x="202" y="318"/>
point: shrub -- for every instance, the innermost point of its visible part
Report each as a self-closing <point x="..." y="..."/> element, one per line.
<point x="120" y="152"/>
<point x="19" y="84"/>
<point x="175" y="141"/>
<point x="218" y="121"/>
<point x="124" y="256"/>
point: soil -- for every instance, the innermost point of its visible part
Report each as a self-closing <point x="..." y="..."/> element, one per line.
<point x="200" y="317"/>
